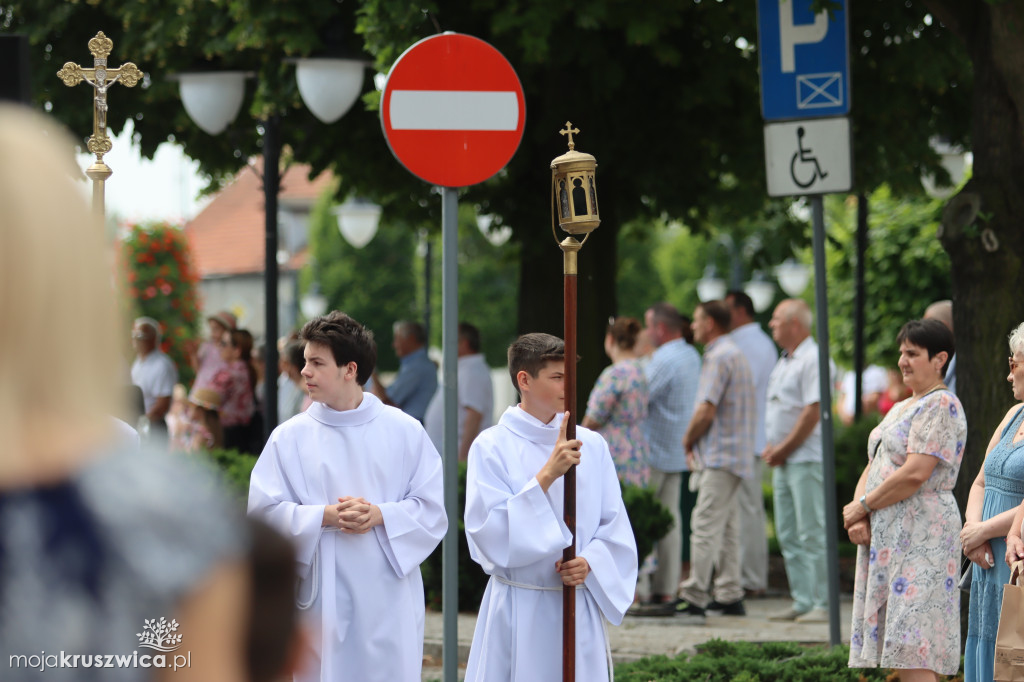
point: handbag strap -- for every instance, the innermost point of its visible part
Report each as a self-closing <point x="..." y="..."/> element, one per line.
<point x="1016" y="573"/>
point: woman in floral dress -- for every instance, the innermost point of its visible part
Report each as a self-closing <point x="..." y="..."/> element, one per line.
<point x="906" y="605"/>
<point x="617" y="406"/>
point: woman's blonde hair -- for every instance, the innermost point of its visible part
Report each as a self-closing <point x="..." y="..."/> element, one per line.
<point x="61" y="337"/>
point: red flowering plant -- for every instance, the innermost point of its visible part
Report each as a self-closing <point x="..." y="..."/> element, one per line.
<point x="160" y="282"/>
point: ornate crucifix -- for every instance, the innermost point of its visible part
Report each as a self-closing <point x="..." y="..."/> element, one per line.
<point x="100" y="78"/>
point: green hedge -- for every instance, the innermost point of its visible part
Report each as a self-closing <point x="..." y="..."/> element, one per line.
<point x="721" y="661"/>
<point x="234" y="468"/>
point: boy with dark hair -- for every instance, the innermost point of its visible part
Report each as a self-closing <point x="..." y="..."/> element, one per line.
<point x="516" y="532"/>
<point x="357" y="487"/>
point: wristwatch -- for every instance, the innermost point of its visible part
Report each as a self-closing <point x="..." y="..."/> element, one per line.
<point x="863" y="503"/>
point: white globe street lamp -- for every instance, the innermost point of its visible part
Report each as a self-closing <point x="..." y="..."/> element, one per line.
<point x="358" y="220"/>
<point x="760" y="290"/>
<point x="710" y="287"/>
<point x="793" y="276"/>
<point x="328" y="87"/>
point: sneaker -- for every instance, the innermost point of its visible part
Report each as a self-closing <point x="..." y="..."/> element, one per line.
<point x="689" y="614"/>
<point x="790" y="614"/>
<point x="818" y="615"/>
<point x="662" y="610"/>
<point x="735" y="608"/>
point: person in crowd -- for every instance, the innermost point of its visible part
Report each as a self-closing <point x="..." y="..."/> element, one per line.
<point x="235" y="384"/>
<point x="291" y="387"/>
<point x="943" y="312"/>
<point x="416" y="382"/>
<point x="895" y="392"/>
<point x="516" y="532"/>
<point x="475" y="394"/>
<point x="718" y="442"/>
<point x="906" y="605"/>
<point x="672" y="376"/>
<point x="617" y="407"/>
<point x="96" y="537"/>
<point x="996" y="493"/>
<point x="205" y="357"/>
<point x="357" y="486"/>
<point x="153" y="372"/>
<point x="201" y="431"/>
<point x="793" y="451"/>
<point x="761" y="355"/>
<point x="873" y="383"/>
<point x="177" y="417"/>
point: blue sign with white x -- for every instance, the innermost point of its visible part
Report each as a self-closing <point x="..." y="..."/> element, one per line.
<point x="805" y="64"/>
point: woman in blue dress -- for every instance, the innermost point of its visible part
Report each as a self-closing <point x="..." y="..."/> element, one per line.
<point x="993" y="500"/>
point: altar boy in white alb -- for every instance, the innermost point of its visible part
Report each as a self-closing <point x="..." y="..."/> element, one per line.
<point x="515" y="529"/>
<point x="357" y="487"/>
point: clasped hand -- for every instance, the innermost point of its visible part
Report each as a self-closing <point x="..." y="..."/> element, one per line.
<point x="352" y="515"/>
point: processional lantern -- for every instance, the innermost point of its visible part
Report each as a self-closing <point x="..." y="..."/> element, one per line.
<point x="574" y="208"/>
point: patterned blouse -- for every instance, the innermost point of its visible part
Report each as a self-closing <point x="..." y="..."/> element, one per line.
<point x="239" y="403"/>
<point x="618" y="403"/>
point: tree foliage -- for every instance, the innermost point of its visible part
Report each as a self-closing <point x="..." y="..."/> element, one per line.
<point x="666" y="94"/>
<point x="374" y="284"/>
<point x="907" y="269"/>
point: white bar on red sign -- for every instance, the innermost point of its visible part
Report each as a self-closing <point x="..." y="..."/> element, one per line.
<point x="454" y="110"/>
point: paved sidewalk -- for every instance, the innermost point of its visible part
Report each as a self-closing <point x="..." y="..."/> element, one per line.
<point x="639" y="637"/>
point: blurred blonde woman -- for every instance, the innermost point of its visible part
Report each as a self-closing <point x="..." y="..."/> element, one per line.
<point x="94" y="539"/>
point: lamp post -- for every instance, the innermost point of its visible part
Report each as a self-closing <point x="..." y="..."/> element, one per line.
<point x="574" y="208"/>
<point x="329" y="87"/>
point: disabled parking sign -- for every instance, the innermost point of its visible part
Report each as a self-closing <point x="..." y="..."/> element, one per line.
<point x="811" y="156"/>
<point x="805" y="64"/>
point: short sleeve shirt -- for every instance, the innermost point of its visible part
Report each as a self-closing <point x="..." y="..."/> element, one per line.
<point x="792" y="386"/>
<point x="726" y="383"/>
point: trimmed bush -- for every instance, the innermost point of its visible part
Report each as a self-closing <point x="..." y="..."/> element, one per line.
<point x="721" y="661"/>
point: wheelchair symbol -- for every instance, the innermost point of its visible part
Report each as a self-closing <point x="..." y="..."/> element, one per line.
<point x="805" y="158"/>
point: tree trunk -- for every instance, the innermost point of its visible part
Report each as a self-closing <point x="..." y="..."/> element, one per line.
<point x="981" y="229"/>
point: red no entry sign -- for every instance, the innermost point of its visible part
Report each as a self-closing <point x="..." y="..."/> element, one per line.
<point x="453" y="110"/>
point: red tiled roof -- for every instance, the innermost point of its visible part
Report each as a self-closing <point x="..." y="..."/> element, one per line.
<point x="226" y="238"/>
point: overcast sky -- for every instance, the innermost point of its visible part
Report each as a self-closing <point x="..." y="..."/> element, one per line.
<point x="164" y="188"/>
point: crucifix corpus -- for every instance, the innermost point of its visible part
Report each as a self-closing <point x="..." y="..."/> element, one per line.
<point x="574" y="208"/>
<point x="100" y="78"/>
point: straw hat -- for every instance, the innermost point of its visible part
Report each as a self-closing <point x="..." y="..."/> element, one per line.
<point x="206" y="397"/>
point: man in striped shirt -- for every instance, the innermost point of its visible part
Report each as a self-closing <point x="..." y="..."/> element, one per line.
<point x="718" y="443"/>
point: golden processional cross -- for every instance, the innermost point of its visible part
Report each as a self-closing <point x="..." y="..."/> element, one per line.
<point x="100" y="78"/>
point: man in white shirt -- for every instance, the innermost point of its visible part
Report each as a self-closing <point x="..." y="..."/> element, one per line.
<point x="475" y="394"/>
<point x="153" y="372"/>
<point x="793" y="450"/>
<point x="761" y="355"/>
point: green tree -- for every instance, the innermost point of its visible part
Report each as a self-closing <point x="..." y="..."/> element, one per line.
<point x="374" y="285"/>
<point x="665" y="94"/>
<point x="908" y="269"/>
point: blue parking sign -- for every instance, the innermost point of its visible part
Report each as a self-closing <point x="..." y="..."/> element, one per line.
<point x="805" y="63"/>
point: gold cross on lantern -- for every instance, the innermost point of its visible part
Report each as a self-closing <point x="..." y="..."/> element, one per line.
<point x="570" y="131"/>
<point x="100" y="78"/>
